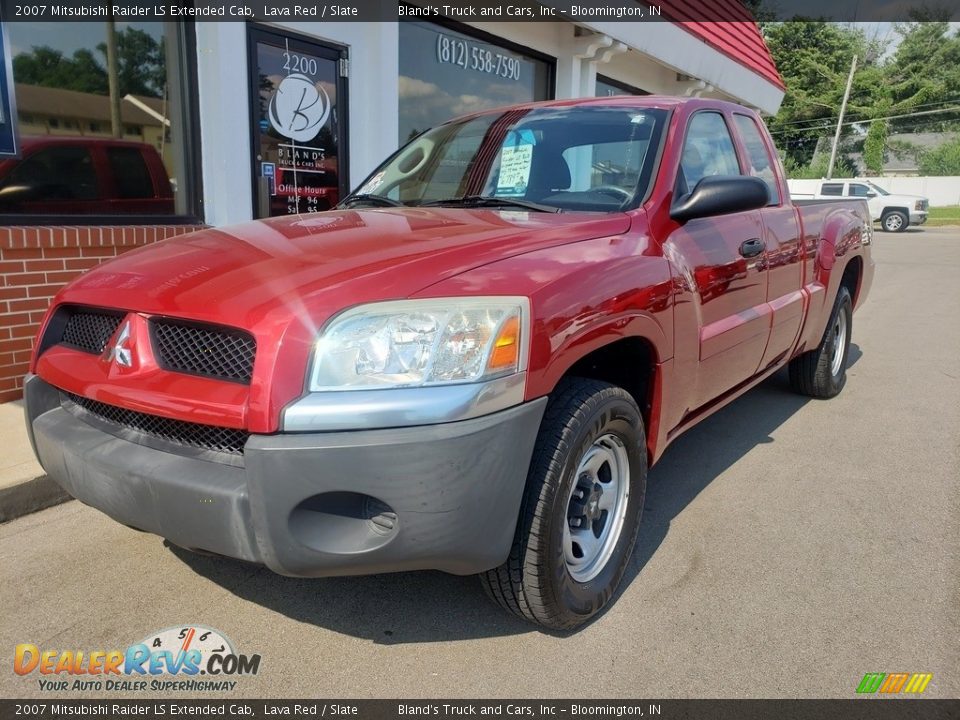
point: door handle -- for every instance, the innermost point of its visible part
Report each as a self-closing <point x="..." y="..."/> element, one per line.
<point x="752" y="247"/>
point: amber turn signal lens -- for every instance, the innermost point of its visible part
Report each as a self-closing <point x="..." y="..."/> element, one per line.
<point x="506" y="348"/>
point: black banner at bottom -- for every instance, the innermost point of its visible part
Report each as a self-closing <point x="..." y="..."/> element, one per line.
<point x="874" y="708"/>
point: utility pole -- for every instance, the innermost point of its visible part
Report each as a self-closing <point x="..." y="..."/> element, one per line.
<point x="843" y="108"/>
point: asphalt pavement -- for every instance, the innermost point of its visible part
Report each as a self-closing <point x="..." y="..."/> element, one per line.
<point x="789" y="546"/>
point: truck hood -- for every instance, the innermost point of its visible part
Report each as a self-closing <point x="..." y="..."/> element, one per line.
<point x="281" y="279"/>
<point x="894" y="198"/>
<point x="272" y="271"/>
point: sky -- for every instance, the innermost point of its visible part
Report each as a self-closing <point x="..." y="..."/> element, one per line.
<point x="885" y="31"/>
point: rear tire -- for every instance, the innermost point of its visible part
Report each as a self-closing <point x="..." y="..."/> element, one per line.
<point x="895" y="221"/>
<point x="581" y="508"/>
<point x="822" y="373"/>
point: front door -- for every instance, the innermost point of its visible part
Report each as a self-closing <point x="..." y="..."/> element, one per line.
<point x="726" y="266"/>
<point x="298" y="111"/>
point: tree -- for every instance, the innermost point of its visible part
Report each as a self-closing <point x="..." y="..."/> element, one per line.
<point x="141" y="66"/>
<point x="47" y="67"/>
<point x="817" y="168"/>
<point x="875" y="146"/>
<point x="814" y="59"/>
<point x="924" y="72"/>
<point x="942" y="160"/>
<point x="141" y="63"/>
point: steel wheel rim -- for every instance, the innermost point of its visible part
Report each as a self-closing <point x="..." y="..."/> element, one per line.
<point x="839" y="342"/>
<point x="894" y="222"/>
<point x="596" y="508"/>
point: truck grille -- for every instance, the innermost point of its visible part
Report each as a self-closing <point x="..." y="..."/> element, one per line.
<point x="222" y="353"/>
<point x="179" y="432"/>
<point x="90" y="330"/>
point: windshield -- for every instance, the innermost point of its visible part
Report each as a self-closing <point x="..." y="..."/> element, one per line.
<point x="594" y="158"/>
<point x="879" y="190"/>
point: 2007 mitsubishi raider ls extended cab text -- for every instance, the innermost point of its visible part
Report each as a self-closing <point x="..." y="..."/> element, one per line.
<point x="469" y="365"/>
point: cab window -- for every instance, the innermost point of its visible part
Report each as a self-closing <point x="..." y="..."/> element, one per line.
<point x="761" y="164"/>
<point x="63" y="172"/>
<point x="832" y="189"/>
<point x="707" y="151"/>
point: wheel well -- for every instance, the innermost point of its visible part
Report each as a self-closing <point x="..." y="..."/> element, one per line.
<point x="887" y="210"/>
<point x="851" y="277"/>
<point x="629" y="363"/>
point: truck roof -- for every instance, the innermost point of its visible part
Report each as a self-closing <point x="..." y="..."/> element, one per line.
<point x="31" y="141"/>
<point x="663" y="102"/>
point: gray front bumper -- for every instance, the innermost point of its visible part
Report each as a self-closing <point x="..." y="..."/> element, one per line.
<point x="442" y="497"/>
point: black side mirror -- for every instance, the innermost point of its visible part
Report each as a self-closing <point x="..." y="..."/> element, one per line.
<point x="721" y="195"/>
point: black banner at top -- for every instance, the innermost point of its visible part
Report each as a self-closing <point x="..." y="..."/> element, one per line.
<point x="479" y="10"/>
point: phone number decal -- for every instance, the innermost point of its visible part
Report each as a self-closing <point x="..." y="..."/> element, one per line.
<point x="469" y="56"/>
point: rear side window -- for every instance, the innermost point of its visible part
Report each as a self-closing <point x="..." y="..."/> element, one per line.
<point x="761" y="164"/>
<point x="707" y="150"/>
<point x="831" y="189"/>
<point x="130" y="174"/>
<point x="56" y="173"/>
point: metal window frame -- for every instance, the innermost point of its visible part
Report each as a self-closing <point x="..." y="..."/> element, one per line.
<point x="259" y="31"/>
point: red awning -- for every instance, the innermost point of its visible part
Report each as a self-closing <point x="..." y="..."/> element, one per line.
<point x="739" y="38"/>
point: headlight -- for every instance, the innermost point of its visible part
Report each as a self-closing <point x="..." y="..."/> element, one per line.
<point x="408" y="343"/>
<point x="918" y="205"/>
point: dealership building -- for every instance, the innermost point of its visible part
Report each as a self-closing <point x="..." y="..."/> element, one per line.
<point x="197" y="132"/>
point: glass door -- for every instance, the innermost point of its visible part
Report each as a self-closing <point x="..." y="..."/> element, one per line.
<point x="298" y="123"/>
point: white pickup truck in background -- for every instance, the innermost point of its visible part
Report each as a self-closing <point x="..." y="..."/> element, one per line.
<point x="895" y="213"/>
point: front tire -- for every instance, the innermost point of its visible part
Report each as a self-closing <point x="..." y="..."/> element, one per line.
<point x="822" y="373"/>
<point x="895" y="221"/>
<point x="581" y="508"/>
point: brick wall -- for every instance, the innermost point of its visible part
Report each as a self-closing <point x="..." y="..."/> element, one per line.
<point x="35" y="262"/>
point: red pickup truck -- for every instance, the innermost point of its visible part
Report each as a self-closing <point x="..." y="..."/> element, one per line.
<point x="469" y="365"/>
<point x="85" y="176"/>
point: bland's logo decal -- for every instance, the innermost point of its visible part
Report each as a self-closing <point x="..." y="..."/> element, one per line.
<point x="299" y="108"/>
<point x="120" y="353"/>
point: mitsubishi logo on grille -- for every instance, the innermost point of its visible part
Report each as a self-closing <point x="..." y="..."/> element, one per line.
<point x="119" y="352"/>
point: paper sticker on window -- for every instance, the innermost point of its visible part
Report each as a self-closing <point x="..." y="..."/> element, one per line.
<point x="371" y="186"/>
<point x="515" y="159"/>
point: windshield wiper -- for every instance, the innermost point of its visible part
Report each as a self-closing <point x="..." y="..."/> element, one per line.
<point x="491" y="201"/>
<point x="380" y="200"/>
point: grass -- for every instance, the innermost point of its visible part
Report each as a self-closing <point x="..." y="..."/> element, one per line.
<point x="940" y="216"/>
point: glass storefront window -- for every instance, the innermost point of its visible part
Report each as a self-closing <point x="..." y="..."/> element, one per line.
<point x="84" y="150"/>
<point x="607" y="87"/>
<point x="445" y="73"/>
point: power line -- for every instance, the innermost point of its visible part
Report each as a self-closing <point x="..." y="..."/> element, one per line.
<point x="832" y="120"/>
<point x="872" y="120"/>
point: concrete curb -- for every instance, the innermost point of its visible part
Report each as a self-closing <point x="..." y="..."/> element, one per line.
<point x="29" y="496"/>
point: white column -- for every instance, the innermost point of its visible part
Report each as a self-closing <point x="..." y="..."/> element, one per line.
<point x="224" y="122"/>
